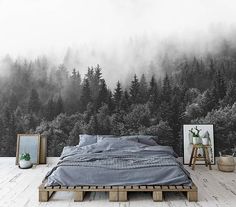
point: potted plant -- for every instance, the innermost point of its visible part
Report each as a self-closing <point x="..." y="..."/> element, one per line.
<point x="195" y="134"/>
<point x="25" y="161"/>
<point x="206" y="138"/>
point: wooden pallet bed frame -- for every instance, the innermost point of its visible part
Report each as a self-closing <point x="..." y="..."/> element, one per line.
<point x="119" y="193"/>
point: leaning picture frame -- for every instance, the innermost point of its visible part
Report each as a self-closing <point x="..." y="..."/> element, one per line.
<point x="43" y="150"/>
<point x="28" y="143"/>
<point x="205" y="130"/>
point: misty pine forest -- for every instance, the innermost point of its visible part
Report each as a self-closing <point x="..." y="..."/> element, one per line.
<point x="60" y="103"/>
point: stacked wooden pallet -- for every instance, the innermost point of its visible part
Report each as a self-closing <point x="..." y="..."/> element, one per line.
<point x="119" y="193"/>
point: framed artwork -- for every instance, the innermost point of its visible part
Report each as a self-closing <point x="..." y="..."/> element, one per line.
<point x="43" y="150"/>
<point x="28" y="143"/>
<point x="205" y="131"/>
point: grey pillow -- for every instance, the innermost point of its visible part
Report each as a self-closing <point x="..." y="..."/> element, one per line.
<point x="113" y="137"/>
<point x="86" y="139"/>
<point x="148" y="140"/>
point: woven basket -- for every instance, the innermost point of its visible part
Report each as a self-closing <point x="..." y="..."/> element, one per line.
<point x="226" y="163"/>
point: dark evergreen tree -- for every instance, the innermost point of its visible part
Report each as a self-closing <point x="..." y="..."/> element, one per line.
<point x="12" y="134"/>
<point x="93" y="127"/>
<point x="9" y="131"/>
<point x="32" y="123"/>
<point x="166" y="90"/>
<point x="137" y="118"/>
<point x="74" y="74"/>
<point x="3" y="143"/>
<point x="134" y="91"/>
<point x="209" y="101"/>
<point x="166" y="95"/>
<point x="13" y="102"/>
<point x="94" y="76"/>
<point x="85" y="95"/>
<point x="6" y="137"/>
<point x="165" y="111"/>
<point x="50" y="110"/>
<point x="117" y="95"/>
<point x="117" y="124"/>
<point x="75" y="77"/>
<point x="230" y="97"/>
<point x="212" y="65"/>
<point x="102" y="94"/>
<point x="125" y="101"/>
<point x="75" y="132"/>
<point x="176" y="112"/>
<point x="90" y="110"/>
<point x="163" y="130"/>
<point x="61" y="76"/>
<point x="186" y="76"/>
<point x="190" y="95"/>
<point x="98" y="73"/>
<point x="72" y="92"/>
<point x="34" y="102"/>
<point x="110" y="102"/>
<point x="143" y="89"/>
<point x="104" y="124"/>
<point x="219" y="87"/>
<point x="154" y="98"/>
<point x="59" y="108"/>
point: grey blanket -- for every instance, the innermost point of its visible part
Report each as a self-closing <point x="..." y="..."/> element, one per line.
<point x="118" y="163"/>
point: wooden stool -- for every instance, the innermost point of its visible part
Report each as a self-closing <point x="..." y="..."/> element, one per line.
<point x="195" y="157"/>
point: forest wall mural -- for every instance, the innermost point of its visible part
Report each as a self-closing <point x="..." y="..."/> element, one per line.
<point x="146" y="86"/>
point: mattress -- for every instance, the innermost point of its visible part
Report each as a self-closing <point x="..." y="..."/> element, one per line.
<point x="118" y="162"/>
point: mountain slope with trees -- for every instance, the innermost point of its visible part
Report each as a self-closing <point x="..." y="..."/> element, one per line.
<point x="35" y="98"/>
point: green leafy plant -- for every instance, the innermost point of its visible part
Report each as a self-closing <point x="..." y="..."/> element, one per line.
<point x="25" y="156"/>
<point x="195" y="131"/>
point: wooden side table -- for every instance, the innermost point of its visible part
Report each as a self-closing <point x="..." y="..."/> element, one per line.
<point x="194" y="155"/>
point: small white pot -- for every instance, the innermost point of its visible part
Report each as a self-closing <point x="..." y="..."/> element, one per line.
<point x="205" y="141"/>
<point x="25" y="164"/>
<point x="196" y="140"/>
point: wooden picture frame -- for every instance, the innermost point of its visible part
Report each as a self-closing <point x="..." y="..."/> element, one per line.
<point x="43" y="150"/>
<point x="188" y="145"/>
<point x="28" y="143"/>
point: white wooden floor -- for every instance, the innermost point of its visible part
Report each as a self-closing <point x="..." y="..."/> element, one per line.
<point x="18" y="188"/>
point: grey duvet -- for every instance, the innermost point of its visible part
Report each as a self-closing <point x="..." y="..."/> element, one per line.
<point x="120" y="162"/>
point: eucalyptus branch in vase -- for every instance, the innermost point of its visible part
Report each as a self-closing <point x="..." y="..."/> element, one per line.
<point x="195" y="134"/>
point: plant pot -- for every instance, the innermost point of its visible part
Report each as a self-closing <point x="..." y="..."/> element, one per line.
<point x="196" y="140"/>
<point x="205" y="141"/>
<point x="25" y="164"/>
<point x="226" y="163"/>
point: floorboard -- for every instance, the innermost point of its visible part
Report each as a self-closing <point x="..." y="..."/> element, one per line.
<point x="19" y="188"/>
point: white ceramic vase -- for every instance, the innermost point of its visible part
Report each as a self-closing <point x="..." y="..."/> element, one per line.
<point x="25" y="164"/>
<point x="205" y="141"/>
<point x="196" y="140"/>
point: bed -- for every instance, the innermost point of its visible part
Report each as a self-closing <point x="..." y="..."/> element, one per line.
<point x="122" y="163"/>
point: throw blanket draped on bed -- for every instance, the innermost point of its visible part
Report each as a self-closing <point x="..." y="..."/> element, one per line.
<point x="121" y="162"/>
